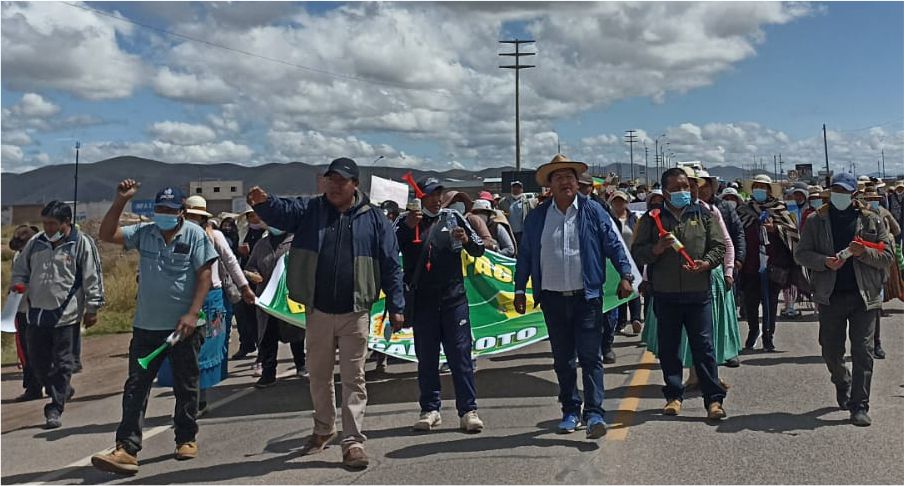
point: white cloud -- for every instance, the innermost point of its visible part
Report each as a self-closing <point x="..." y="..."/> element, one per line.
<point x="207" y="153"/>
<point x="34" y="105"/>
<point x="178" y="133"/>
<point x="16" y="137"/>
<point x="191" y="87"/>
<point x="315" y="147"/>
<point x="10" y="154"/>
<point x="54" y="45"/>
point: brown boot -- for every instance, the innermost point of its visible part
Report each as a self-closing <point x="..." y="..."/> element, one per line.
<point x="672" y="408"/>
<point x="186" y="451"/>
<point x="118" y="462"/>
<point x="716" y="412"/>
<point x="316" y="443"/>
<point x="355" y="457"/>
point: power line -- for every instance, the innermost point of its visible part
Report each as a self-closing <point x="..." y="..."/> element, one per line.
<point x="323" y="72"/>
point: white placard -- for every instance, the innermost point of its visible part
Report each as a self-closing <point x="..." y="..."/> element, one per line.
<point x="386" y="190"/>
<point x="8" y="315"/>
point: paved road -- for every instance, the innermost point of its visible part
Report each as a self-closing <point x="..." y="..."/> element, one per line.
<point x="783" y="426"/>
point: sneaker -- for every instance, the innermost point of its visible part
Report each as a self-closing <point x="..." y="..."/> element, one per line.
<point x="119" y="461"/>
<point x="768" y="344"/>
<point x="186" y="451"/>
<point x="428" y="421"/>
<point x="265" y="382"/>
<point x="29" y="395"/>
<point x="316" y="443"/>
<point x="860" y="418"/>
<point x="752" y="337"/>
<point x="673" y="407"/>
<point x="302" y="372"/>
<point x="52" y="419"/>
<point x="470" y="422"/>
<point x="715" y="411"/>
<point x="258" y="369"/>
<point x="878" y="352"/>
<point x="637" y="326"/>
<point x="569" y="423"/>
<point x="355" y="457"/>
<point x="842" y="397"/>
<point x="609" y="357"/>
<point x="733" y="362"/>
<point x="444" y="368"/>
<point x="596" y="427"/>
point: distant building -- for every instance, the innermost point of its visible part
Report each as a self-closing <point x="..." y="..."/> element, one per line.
<point x="31" y="213"/>
<point x="218" y="193"/>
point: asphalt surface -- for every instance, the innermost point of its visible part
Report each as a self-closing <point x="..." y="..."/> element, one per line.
<point x="783" y="425"/>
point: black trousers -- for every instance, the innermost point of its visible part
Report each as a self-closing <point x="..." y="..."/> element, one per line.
<point x="77" y="345"/>
<point x="246" y="324"/>
<point x="753" y="296"/>
<point x="269" y="348"/>
<point x="30" y="381"/>
<point x="846" y="315"/>
<point x="186" y="377"/>
<point x="50" y="356"/>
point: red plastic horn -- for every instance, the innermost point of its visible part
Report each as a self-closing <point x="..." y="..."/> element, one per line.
<point x="677" y="245"/>
<point x="875" y="246"/>
<point x="418" y="193"/>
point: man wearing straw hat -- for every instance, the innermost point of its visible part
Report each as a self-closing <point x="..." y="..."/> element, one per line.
<point x="563" y="251"/>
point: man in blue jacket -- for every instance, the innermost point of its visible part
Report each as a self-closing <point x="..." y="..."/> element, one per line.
<point x="563" y="250"/>
<point x="343" y="253"/>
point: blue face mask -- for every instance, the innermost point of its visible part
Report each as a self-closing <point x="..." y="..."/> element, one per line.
<point x="680" y="199"/>
<point x="816" y="203"/>
<point x="792" y="206"/>
<point x="874" y="205"/>
<point x="275" y="231"/>
<point x="760" y="195"/>
<point x="165" y="222"/>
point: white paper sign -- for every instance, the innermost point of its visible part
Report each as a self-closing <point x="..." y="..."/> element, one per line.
<point x="8" y="316"/>
<point x="386" y="190"/>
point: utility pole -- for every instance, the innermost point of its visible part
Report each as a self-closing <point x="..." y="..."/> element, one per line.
<point x="646" y="160"/>
<point x="781" y="167"/>
<point x="775" y="166"/>
<point x="75" y="196"/>
<point x="517" y="67"/>
<point x="884" y="175"/>
<point x="825" y="145"/>
<point x="631" y="139"/>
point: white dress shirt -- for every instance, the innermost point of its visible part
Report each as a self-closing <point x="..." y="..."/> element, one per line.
<point x="560" y="250"/>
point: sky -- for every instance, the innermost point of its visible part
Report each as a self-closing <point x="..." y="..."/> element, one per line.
<point x="418" y="83"/>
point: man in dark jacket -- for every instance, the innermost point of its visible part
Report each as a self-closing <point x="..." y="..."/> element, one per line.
<point x="344" y="252"/>
<point x="246" y="314"/>
<point x="896" y="204"/>
<point x="440" y="307"/>
<point x="732" y="222"/>
<point x="682" y="295"/>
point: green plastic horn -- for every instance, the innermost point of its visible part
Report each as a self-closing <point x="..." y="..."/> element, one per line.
<point x="171" y="340"/>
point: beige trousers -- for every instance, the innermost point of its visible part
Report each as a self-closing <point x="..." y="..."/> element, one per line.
<point x="324" y="333"/>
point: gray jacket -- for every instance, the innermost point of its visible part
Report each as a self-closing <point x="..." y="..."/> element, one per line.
<point x="49" y="273"/>
<point x="870" y="269"/>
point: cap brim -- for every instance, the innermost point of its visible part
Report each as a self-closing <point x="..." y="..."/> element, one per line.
<point x="432" y="188"/>
<point x="344" y="174"/>
<point x="200" y="212"/>
<point x="846" y="187"/>
<point x="171" y="205"/>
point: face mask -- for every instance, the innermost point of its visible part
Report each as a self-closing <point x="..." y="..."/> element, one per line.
<point x="760" y="195"/>
<point x="791" y="205"/>
<point x="731" y="205"/>
<point x="680" y="199"/>
<point x="874" y="205"/>
<point x="459" y="206"/>
<point x="55" y="237"/>
<point x="256" y="226"/>
<point x="165" y="222"/>
<point x="641" y="196"/>
<point x="428" y="213"/>
<point x="816" y="203"/>
<point x="275" y="231"/>
<point x="840" y="200"/>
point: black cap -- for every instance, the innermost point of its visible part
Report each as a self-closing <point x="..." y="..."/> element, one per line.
<point x="429" y="184"/>
<point x="345" y="167"/>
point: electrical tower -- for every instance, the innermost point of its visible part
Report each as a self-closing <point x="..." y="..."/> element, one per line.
<point x="517" y="67"/>
<point x="631" y="139"/>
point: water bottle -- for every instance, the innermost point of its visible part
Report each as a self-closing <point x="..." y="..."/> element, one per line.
<point x="202" y="318"/>
<point x="451" y="224"/>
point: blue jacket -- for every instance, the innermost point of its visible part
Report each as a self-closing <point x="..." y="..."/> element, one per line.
<point x="374" y="246"/>
<point x="599" y="240"/>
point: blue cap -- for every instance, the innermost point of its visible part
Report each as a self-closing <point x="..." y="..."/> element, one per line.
<point x="845" y="180"/>
<point x="429" y="185"/>
<point x="171" y="197"/>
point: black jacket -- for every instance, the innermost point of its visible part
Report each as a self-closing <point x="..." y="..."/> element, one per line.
<point x="735" y="227"/>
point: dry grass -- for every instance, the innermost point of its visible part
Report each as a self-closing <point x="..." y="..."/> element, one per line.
<point x="120" y="269"/>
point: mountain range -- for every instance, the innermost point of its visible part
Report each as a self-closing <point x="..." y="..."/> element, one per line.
<point x="97" y="180"/>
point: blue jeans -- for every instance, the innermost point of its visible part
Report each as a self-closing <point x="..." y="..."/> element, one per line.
<point x="438" y="323"/>
<point x="576" y="329"/>
<point x="610" y="326"/>
<point x="696" y="317"/>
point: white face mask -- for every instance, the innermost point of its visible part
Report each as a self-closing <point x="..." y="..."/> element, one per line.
<point x="840" y="200"/>
<point x="429" y="213"/>
<point x="55" y="237"/>
<point x="458" y="206"/>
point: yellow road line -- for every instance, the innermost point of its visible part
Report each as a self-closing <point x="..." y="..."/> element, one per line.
<point x="628" y="405"/>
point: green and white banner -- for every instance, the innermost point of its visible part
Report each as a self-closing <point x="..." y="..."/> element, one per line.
<point x="489" y="282"/>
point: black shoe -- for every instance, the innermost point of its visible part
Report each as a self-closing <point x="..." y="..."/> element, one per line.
<point x="843" y="396"/>
<point x="878" y="352"/>
<point x="241" y="354"/>
<point x="52" y="418"/>
<point x="768" y="345"/>
<point x="265" y="382"/>
<point x="202" y="406"/>
<point x="860" y="418"/>
<point x="732" y="363"/>
<point x="609" y="357"/>
<point x="77" y="369"/>
<point x="752" y="336"/>
<point x="70" y="394"/>
<point x="30" y="395"/>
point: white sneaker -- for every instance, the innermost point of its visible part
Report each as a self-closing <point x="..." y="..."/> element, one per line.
<point x="428" y="421"/>
<point x="470" y="422"/>
<point x="302" y="372"/>
<point x="258" y="369"/>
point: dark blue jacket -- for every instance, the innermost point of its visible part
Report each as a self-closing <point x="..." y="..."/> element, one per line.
<point x="375" y="249"/>
<point x="599" y="241"/>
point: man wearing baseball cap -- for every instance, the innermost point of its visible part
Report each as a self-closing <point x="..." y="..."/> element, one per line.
<point x="516" y="206"/>
<point x="343" y="254"/>
<point x="847" y="276"/>
<point x="175" y="276"/>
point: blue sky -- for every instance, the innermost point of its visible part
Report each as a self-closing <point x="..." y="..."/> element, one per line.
<point x="783" y="71"/>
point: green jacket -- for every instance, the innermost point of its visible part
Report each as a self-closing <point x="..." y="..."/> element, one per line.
<point x="702" y="238"/>
<point x="870" y="269"/>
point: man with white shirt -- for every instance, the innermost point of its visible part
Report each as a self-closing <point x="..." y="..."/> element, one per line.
<point x="564" y="246"/>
